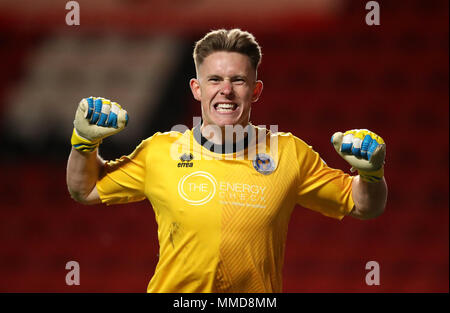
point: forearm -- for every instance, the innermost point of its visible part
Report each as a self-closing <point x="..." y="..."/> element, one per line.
<point x="83" y="171"/>
<point x="369" y="198"/>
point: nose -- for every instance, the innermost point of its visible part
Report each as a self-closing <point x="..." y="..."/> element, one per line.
<point x="226" y="88"/>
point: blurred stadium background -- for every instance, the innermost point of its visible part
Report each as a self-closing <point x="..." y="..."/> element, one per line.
<point x="323" y="69"/>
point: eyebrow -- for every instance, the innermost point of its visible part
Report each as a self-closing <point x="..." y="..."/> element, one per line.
<point x="232" y="77"/>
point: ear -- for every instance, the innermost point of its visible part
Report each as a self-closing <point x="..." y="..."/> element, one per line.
<point x="257" y="90"/>
<point x="195" y="88"/>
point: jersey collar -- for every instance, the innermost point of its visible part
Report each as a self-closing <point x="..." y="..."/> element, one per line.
<point x="225" y="148"/>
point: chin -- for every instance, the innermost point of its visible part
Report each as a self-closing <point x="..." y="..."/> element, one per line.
<point x="223" y="123"/>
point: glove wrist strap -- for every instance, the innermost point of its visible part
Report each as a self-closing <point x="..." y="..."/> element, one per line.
<point x="83" y="144"/>
<point x="372" y="177"/>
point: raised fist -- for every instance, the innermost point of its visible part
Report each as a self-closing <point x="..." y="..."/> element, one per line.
<point x="96" y="118"/>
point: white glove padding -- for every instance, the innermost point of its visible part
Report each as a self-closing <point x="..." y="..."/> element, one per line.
<point x="96" y="118"/>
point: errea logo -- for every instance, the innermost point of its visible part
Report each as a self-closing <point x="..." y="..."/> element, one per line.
<point x="186" y="160"/>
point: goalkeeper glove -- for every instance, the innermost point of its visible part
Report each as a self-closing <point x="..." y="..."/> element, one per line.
<point x="363" y="150"/>
<point x="96" y="118"/>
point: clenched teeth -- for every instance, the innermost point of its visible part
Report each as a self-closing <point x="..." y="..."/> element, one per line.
<point x="224" y="107"/>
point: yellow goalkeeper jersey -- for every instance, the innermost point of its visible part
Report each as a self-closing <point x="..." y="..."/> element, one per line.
<point x="222" y="213"/>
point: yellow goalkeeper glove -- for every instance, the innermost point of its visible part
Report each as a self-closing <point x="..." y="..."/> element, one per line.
<point x="363" y="150"/>
<point x="96" y="118"/>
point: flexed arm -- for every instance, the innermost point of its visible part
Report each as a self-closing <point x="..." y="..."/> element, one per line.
<point x="365" y="151"/>
<point x="95" y="119"/>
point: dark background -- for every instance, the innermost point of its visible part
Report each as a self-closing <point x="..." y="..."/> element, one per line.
<point x="324" y="70"/>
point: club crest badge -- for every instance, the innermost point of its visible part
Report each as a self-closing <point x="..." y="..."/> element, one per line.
<point x="264" y="163"/>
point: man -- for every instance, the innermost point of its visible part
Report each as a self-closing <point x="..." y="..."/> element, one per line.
<point x="223" y="192"/>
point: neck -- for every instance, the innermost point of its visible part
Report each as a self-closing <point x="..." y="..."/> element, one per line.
<point x="228" y="134"/>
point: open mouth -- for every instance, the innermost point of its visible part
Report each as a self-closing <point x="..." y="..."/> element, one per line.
<point x="225" y="107"/>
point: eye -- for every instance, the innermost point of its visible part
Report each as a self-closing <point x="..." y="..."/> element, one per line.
<point x="213" y="79"/>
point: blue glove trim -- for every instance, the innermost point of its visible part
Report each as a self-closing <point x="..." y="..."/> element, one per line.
<point x="356" y="151"/>
<point x="346" y="147"/>
<point x="374" y="144"/>
<point x="102" y="120"/>
<point x="365" y="146"/>
<point x="112" y="120"/>
<point x="90" y="102"/>
<point x="97" y="110"/>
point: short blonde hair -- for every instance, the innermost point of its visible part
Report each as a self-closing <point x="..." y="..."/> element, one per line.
<point x="233" y="40"/>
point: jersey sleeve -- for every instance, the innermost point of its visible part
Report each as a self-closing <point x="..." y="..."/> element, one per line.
<point x="321" y="188"/>
<point x="124" y="179"/>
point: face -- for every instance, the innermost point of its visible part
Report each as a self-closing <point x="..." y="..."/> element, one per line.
<point x="226" y="86"/>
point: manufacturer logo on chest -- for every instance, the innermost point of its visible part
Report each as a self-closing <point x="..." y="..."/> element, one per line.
<point x="186" y="160"/>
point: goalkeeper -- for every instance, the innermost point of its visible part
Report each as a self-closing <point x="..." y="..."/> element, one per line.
<point x="222" y="202"/>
